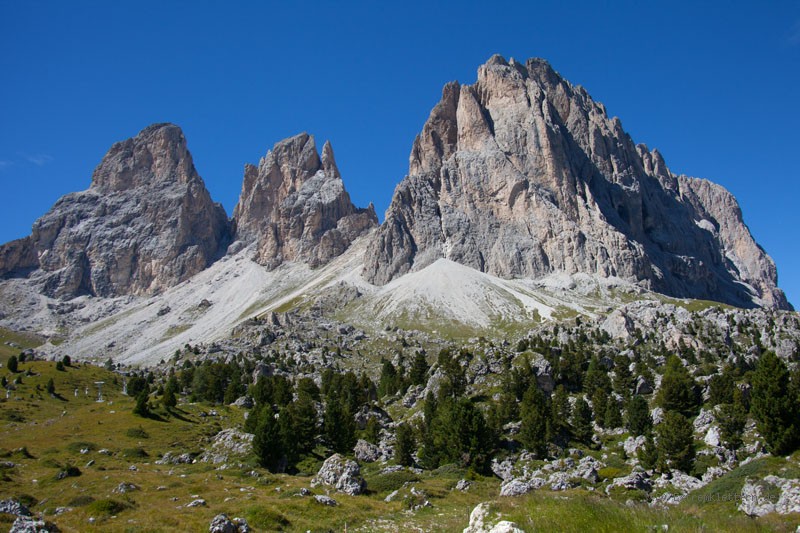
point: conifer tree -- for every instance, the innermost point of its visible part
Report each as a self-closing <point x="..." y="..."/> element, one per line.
<point x="720" y="387"/>
<point x="638" y="420"/>
<point x="596" y="379"/>
<point x="774" y="406"/>
<point x="51" y="387"/>
<point x="142" y="408"/>
<point x="405" y="445"/>
<point x="419" y="369"/>
<point x="535" y="421"/>
<point x="732" y="418"/>
<point x="677" y="389"/>
<point x="12" y="364"/>
<point x="623" y="382"/>
<point x="268" y="444"/>
<point x="582" y="421"/>
<point x="612" y="418"/>
<point x="388" y="383"/>
<point x="302" y="417"/>
<point x="338" y="426"/>
<point x="600" y="402"/>
<point x="675" y="442"/>
<point x="560" y="414"/>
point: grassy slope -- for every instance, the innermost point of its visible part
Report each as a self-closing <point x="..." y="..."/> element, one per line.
<point x="54" y="430"/>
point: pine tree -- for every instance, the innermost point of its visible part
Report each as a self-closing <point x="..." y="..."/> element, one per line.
<point x="638" y="420"/>
<point x="12" y="364"/>
<point x="596" y="379"/>
<point x="720" y="387"/>
<point x="582" y="421"/>
<point x="142" y="408"/>
<point x="675" y="443"/>
<point x="535" y="421"/>
<point x="459" y="434"/>
<point x="302" y="414"/>
<point x="51" y="387"/>
<point x="623" y="378"/>
<point x="388" y="383"/>
<point x="612" y="418"/>
<point x="600" y="402"/>
<point x="732" y="418"/>
<point x="419" y="369"/>
<point x="648" y="454"/>
<point x="268" y="444"/>
<point x="774" y="406"/>
<point x="677" y="389"/>
<point x="338" y="426"/>
<point x="560" y="414"/>
<point x="372" y="430"/>
<point x="405" y="445"/>
<point x="455" y="383"/>
<point x="170" y="400"/>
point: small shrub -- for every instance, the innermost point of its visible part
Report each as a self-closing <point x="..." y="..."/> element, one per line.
<point x="137" y="433"/>
<point x="266" y="519"/>
<point x="27" y="500"/>
<point x="134" y="453"/>
<point x="609" y="472"/>
<point x="69" y="471"/>
<point x="392" y="481"/>
<point x="80" y="501"/>
<point x="77" y="446"/>
<point x="450" y="470"/>
<point x="105" y="507"/>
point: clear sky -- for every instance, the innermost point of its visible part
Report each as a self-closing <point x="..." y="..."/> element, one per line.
<point x="715" y="86"/>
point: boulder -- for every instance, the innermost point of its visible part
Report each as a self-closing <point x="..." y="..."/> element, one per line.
<point x="366" y="451"/>
<point x="222" y="524"/>
<point x="483" y="520"/>
<point x="341" y="474"/>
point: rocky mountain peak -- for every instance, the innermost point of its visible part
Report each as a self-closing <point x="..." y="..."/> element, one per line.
<point x="295" y="207"/>
<point x="158" y="155"/>
<point x="522" y="175"/>
<point x="146" y="223"/>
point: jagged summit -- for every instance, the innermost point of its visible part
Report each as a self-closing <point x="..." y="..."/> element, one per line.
<point x="157" y="155"/>
<point x="522" y="175"/>
<point x="295" y="207"/>
<point x="146" y="223"/>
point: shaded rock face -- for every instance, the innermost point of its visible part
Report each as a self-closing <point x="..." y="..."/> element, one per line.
<point x="295" y="207"/>
<point x="145" y="224"/>
<point x="522" y="174"/>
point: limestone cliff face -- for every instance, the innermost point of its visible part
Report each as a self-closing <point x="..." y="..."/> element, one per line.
<point x="146" y="223"/>
<point x="295" y="207"/>
<point x="522" y="174"/>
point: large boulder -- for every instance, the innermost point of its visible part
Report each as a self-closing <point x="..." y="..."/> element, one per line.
<point x="222" y="524"/>
<point x="483" y="520"/>
<point x="341" y="474"/>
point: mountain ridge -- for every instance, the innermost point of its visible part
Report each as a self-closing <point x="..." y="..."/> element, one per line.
<point x="522" y="174"/>
<point x="493" y="186"/>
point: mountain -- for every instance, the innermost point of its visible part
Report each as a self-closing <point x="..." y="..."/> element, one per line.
<point x="523" y="175"/>
<point x="145" y="224"/>
<point x="294" y="206"/>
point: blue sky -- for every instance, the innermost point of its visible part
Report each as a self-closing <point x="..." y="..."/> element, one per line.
<point x="712" y="85"/>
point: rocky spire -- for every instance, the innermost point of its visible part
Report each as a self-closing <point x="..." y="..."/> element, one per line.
<point x="522" y="174"/>
<point x="146" y="223"/>
<point x="295" y="207"/>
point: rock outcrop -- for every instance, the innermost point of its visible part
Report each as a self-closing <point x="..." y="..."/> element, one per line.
<point x="522" y="175"/>
<point x="295" y="207"/>
<point x="343" y="475"/>
<point x="145" y="224"/>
